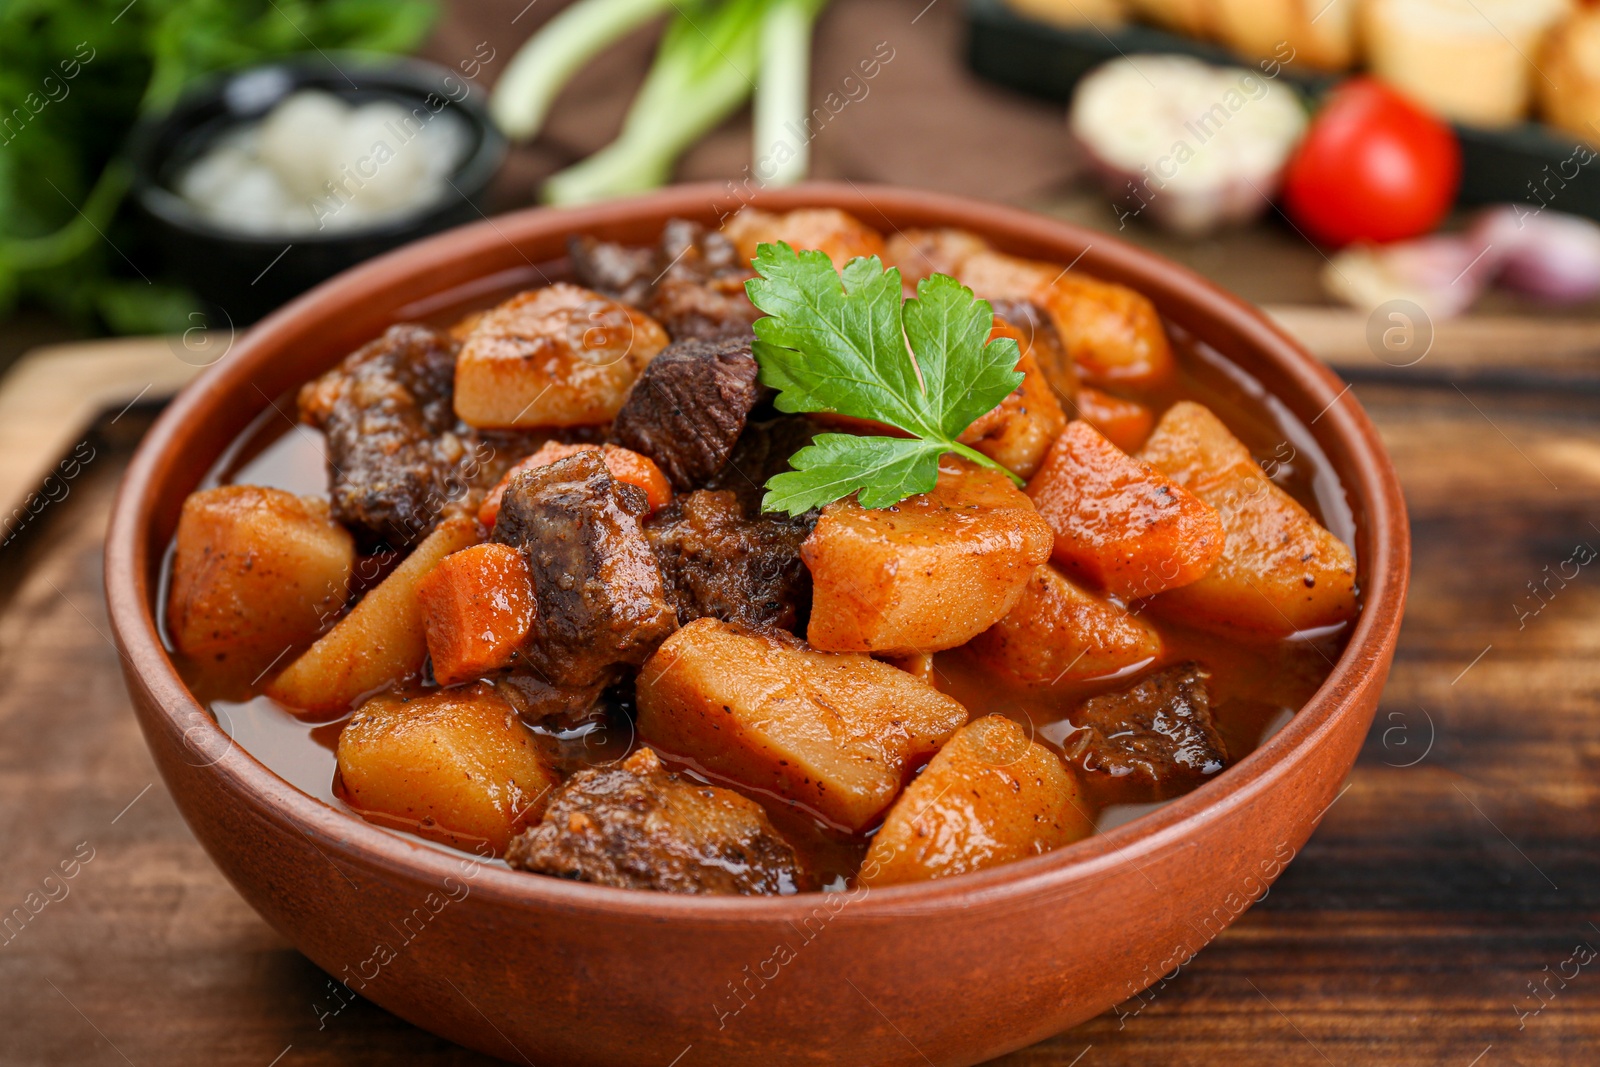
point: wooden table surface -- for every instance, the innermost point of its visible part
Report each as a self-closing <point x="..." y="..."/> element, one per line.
<point x="1442" y="914"/>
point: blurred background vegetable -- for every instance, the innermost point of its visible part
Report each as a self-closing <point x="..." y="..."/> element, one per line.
<point x="782" y="88"/>
<point x="712" y="57"/>
<point x="614" y="97"/>
<point x="1373" y="167"/>
<point x="1549" y="256"/>
<point x="1546" y="256"/>
<point x="704" y="70"/>
<point x="1442" y="274"/>
<point x="74" y="77"/>
<point x="544" y="65"/>
<point x="1185" y="144"/>
<point x="1421" y="110"/>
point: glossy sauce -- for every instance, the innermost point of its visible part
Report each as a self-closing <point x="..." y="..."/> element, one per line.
<point x="1256" y="685"/>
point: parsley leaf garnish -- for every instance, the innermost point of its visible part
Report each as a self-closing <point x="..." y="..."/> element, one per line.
<point x="840" y="345"/>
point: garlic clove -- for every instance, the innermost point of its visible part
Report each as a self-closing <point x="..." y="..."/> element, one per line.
<point x="1443" y="274"/>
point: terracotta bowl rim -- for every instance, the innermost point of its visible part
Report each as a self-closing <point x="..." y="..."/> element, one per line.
<point x="1374" y="484"/>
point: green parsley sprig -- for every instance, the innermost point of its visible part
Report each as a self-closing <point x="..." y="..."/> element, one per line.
<point x="848" y="345"/>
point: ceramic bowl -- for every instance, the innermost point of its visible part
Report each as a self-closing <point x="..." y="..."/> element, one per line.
<point x="547" y="971"/>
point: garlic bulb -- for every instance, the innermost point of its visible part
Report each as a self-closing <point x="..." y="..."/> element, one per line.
<point x="1187" y="145"/>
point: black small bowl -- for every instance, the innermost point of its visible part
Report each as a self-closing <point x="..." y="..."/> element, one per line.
<point x="246" y="275"/>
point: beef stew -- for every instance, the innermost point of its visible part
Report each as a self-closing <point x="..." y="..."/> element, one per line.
<point x="644" y="680"/>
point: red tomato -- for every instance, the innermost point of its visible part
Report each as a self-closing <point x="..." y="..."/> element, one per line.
<point x="1374" y="167"/>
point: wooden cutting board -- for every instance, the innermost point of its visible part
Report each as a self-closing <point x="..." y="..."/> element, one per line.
<point x="1441" y="915"/>
<point x="51" y="397"/>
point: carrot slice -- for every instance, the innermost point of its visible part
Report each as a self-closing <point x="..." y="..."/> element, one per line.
<point x="478" y="608"/>
<point x="1119" y="522"/>
<point x="1125" y="423"/>
<point x="1059" y="632"/>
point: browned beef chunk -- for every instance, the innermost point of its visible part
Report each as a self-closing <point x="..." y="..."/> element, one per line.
<point x="763" y="450"/>
<point x="621" y="272"/>
<point x="395" y="457"/>
<point x="719" y="562"/>
<point x="497" y="451"/>
<point x="637" y="826"/>
<point x="692" y="282"/>
<point x="537" y="700"/>
<point x="601" y="603"/>
<point x="1156" y="732"/>
<point x="700" y="291"/>
<point x="689" y="407"/>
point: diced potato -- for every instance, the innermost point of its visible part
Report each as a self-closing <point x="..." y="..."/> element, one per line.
<point x="837" y="733"/>
<point x="919" y="253"/>
<point x="382" y="641"/>
<point x="839" y="234"/>
<point x="624" y="464"/>
<point x="1059" y="632"/>
<point x="997" y="276"/>
<point x="1018" y="432"/>
<point x="1120" y="524"/>
<point x="1113" y="333"/>
<point x="919" y="665"/>
<point x="462" y="328"/>
<point x="478" y="609"/>
<point x="457" y="766"/>
<point x="1280" y="571"/>
<point x="556" y="356"/>
<point x="989" y="797"/>
<point x="256" y="572"/>
<point x="929" y="573"/>
<point x="1125" y="423"/>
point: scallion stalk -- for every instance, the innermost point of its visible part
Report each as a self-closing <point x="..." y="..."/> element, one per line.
<point x="780" y="102"/>
<point x="549" y="59"/>
<point x="703" y="71"/>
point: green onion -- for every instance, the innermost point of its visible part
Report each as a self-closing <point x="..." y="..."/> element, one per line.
<point x="550" y="58"/>
<point x="780" y="102"/>
<point x="703" y="73"/>
<point x="705" y="69"/>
